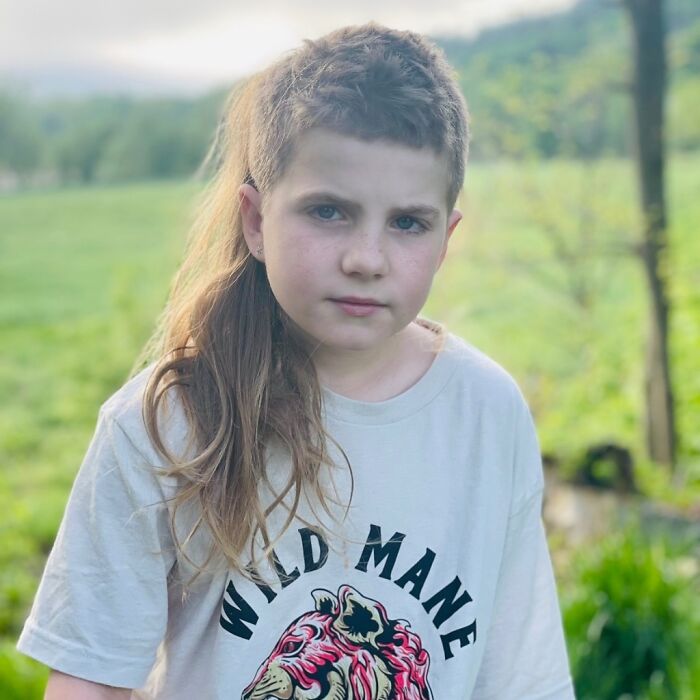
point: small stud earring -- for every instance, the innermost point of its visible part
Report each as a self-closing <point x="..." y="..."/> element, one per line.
<point x="259" y="250"/>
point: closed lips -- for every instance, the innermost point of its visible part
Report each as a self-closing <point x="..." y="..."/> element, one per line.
<point x="361" y="302"/>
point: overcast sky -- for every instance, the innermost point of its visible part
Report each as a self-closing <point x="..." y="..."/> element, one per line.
<point x="190" y="46"/>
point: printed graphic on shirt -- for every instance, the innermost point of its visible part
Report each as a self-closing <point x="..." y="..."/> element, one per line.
<point x="446" y="601"/>
<point x="346" y="647"/>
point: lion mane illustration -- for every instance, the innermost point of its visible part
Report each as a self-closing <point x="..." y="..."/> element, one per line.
<point x="345" y="649"/>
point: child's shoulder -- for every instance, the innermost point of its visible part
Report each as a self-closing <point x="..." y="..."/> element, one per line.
<point x="125" y="408"/>
<point x="122" y="403"/>
<point x="481" y="375"/>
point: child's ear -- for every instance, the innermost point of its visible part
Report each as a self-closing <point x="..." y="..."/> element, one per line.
<point x="251" y="219"/>
<point x="454" y="218"/>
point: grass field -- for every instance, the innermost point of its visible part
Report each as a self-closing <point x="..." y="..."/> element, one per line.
<point x="535" y="277"/>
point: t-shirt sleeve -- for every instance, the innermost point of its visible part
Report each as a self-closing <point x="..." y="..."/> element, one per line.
<point x="101" y="608"/>
<point x="525" y="657"/>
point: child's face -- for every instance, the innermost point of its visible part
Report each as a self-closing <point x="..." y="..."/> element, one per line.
<point x="344" y="221"/>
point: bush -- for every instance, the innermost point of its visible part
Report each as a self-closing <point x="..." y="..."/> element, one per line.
<point x="632" y="628"/>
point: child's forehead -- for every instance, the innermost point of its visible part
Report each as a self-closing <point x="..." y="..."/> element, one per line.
<point x="321" y="158"/>
<point x="320" y="143"/>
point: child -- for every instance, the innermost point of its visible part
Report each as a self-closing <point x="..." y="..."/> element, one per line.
<point x="313" y="492"/>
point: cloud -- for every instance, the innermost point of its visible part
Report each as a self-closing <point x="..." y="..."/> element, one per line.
<point x="210" y="41"/>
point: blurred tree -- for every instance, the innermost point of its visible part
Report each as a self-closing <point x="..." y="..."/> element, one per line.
<point x="20" y="139"/>
<point x="79" y="133"/>
<point x="649" y="88"/>
<point x="158" y="139"/>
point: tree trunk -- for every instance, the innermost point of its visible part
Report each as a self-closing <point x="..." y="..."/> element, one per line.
<point x="648" y="33"/>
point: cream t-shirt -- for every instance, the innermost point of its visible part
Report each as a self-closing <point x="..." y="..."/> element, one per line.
<point x="437" y="584"/>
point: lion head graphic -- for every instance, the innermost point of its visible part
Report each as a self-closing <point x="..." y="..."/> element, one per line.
<point x="345" y="649"/>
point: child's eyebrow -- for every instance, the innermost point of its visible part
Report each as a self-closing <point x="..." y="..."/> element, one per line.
<point x="423" y="210"/>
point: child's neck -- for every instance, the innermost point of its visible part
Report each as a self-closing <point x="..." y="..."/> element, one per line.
<point x="378" y="378"/>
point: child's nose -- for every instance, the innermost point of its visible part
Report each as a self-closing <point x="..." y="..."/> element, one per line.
<point x="365" y="255"/>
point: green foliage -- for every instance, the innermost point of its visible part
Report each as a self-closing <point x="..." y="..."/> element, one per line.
<point x="158" y="139"/>
<point x="116" y="139"/>
<point x="558" y="85"/>
<point x="550" y="89"/>
<point x="20" y="138"/>
<point x="631" y="618"/>
<point x="21" y="678"/>
<point x="683" y="111"/>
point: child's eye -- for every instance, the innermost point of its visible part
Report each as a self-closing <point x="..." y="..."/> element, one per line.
<point x="324" y="211"/>
<point x="406" y="223"/>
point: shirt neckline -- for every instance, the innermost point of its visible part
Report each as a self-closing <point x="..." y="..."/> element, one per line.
<point x="409" y="401"/>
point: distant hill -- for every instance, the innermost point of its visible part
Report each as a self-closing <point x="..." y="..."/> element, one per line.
<point x="556" y="85"/>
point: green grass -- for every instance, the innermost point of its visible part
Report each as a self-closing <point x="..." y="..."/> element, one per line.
<point x="84" y="272"/>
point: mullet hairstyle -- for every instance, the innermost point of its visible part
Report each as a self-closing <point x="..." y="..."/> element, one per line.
<point x="222" y="342"/>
